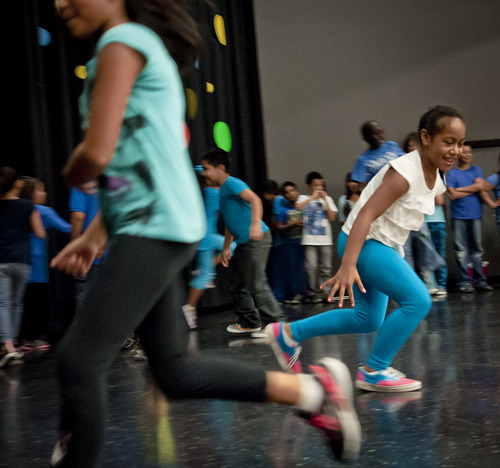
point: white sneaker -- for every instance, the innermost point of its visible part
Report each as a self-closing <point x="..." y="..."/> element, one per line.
<point x="441" y="292"/>
<point x="190" y="315"/>
<point x="11" y="358"/>
<point x="237" y="329"/>
<point x="60" y="450"/>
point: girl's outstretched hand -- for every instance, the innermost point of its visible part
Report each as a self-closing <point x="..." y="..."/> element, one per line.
<point x="77" y="257"/>
<point x="342" y="282"/>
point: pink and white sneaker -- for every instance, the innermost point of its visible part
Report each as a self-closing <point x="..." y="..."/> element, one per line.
<point x="287" y="356"/>
<point x="337" y="419"/>
<point x="387" y="380"/>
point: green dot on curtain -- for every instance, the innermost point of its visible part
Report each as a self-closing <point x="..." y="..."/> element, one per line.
<point x="222" y="136"/>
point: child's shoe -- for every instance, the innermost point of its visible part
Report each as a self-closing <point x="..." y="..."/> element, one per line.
<point x="287" y="356"/>
<point x="60" y="449"/>
<point x="190" y="314"/>
<point x="337" y="419"/>
<point x="238" y="328"/>
<point x="387" y="380"/>
<point x="11" y="358"/>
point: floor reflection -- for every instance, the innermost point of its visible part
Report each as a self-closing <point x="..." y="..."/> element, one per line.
<point x="453" y="421"/>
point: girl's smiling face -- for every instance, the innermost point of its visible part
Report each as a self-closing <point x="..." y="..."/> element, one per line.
<point x="444" y="148"/>
<point x="83" y="18"/>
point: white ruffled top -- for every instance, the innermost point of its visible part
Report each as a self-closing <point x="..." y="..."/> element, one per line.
<point x="407" y="212"/>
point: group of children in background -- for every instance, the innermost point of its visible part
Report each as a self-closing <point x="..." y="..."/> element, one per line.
<point x="152" y="221"/>
<point x="297" y="262"/>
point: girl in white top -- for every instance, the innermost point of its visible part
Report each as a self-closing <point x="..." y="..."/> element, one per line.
<point x="371" y="247"/>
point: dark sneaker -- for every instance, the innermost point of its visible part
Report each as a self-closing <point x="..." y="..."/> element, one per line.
<point x="237" y="328"/>
<point x="484" y="287"/>
<point x="467" y="288"/>
<point x="337" y="420"/>
<point x="287" y="356"/>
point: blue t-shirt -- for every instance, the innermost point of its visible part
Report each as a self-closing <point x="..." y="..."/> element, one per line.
<point x="236" y="212"/>
<point x="494" y="179"/>
<point x="149" y="189"/>
<point x="372" y="160"/>
<point x="467" y="207"/>
<point x="287" y="214"/>
<point x="84" y="203"/>
<point x="211" y="202"/>
<point x="88" y="204"/>
<point x="38" y="247"/>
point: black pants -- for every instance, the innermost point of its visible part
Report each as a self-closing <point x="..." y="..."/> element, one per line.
<point x="139" y="287"/>
<point x="37" y="310"/>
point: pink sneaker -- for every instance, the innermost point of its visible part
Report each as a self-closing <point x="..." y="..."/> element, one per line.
<point x="337" y="420"/>
<point x="287" y="356"/>
<point x="387" y="380"/>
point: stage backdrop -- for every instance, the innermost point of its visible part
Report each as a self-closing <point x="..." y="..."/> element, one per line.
<point x="44" y="72"/>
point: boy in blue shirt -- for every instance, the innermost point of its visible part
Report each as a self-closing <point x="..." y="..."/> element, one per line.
<point x="241" y="209"/>
<point x="465" y="182"/>
<point x="379" y="153"/>
<point x="83" y="206"/>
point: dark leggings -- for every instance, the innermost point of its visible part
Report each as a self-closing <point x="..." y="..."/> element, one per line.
<point x="138" y="287"/>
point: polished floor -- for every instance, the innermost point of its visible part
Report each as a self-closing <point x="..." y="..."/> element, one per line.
<point x="454" y="421"/>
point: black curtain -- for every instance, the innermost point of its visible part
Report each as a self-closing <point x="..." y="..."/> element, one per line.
<point x="40" y="117"/>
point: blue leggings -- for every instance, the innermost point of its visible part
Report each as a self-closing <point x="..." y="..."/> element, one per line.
<point x="384" y="274"/>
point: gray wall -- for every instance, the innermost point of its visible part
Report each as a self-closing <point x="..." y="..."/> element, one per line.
<point x="328" y="65"/>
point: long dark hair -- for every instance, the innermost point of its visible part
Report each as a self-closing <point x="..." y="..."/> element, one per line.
<point x="171" y="20"/>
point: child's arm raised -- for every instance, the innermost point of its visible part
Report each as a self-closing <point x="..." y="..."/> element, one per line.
<point x="330" y="214"/>
<point x="257" y="210"/>
<point x="393" y="187"/>
<point x="315" y="195"/>
<point x="117" y="69"/>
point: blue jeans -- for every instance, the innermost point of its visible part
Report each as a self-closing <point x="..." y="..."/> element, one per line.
<point x="13" y="279"/>
<point x="384" y="274"/>
<point x="467" y="245"/>
<point x="438" y="236"/>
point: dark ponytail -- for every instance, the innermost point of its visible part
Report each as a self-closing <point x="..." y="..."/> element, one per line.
<point x="8" y="177"/>
<point x="431" y="119"/>
<point x="29" y="187"/>
<point x="172" y="22"/>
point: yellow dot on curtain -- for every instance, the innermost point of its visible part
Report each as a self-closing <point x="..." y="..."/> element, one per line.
<point x="210" y="87"/>
<point x="81" y="72"/>
<point x="191" y="103"/>
<point x="220" y="29"/>
<point x="222" y="136"/>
